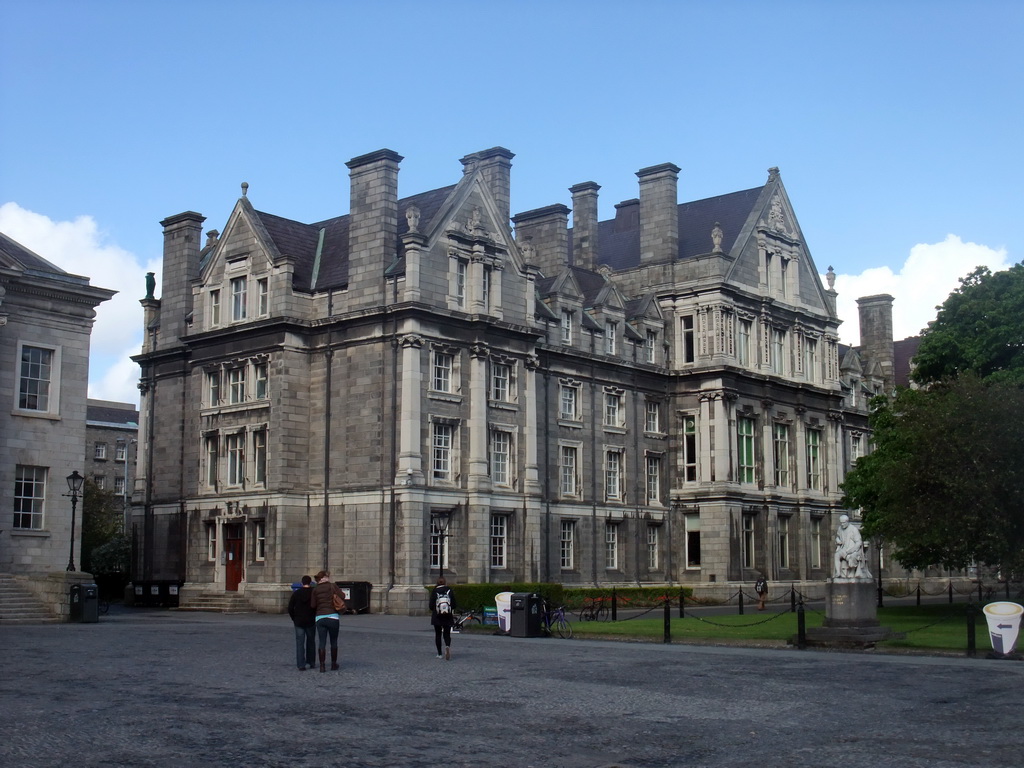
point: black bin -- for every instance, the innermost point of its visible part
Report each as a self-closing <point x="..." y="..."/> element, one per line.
<point x="357" y="595"/>
<point x="524" y="616"/>
<point x="169" y="593"/>
<point x="90" y="603"/>
<point x="75" y="602"/>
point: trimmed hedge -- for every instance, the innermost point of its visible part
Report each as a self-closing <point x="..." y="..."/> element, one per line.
<point x="633" y="597"/>
<point x="477" y="596"/>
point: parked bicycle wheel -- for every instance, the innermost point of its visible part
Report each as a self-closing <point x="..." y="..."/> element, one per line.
<point x="563" y="628"/>
<point x="602" y="613"/>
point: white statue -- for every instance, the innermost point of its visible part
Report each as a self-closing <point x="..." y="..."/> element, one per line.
<point x="851" y="557"/>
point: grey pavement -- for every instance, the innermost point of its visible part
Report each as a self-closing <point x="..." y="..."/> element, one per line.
<point x="147" y="687"/>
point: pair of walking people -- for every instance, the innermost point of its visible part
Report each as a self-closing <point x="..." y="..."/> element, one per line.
<point x="313" y="612"/>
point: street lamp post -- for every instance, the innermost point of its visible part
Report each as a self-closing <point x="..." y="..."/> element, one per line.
<point x="440" y="520"/>
<point x="75" y="481"/>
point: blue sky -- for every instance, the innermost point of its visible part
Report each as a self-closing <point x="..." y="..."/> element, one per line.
<point x="896" y="125"/>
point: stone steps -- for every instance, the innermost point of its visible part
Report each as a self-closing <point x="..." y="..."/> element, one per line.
<point x="217" y="603"/>
<point x="19" y="606"/>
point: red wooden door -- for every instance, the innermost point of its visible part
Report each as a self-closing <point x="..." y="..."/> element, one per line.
<point x="234" y="543"/>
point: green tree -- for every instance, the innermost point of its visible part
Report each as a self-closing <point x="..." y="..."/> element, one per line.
<point x="102" y="516"/>
<point x="945" y="482"/>
<point x="979" y="329"/>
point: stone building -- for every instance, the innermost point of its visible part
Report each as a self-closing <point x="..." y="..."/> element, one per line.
<point x="46" y="317"/>
<point x="111" y="437"/>
<point x="656" y="398"/>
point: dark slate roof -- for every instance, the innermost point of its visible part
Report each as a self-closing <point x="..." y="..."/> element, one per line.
<point x="110" y="415"/>
<point x="29" y="260"/>
<point x="903" y="354"/>
<point x="619" y="238"/>
<point x="591" y="284"/>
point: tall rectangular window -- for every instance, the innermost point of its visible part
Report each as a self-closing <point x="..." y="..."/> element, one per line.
<point x="211" y="542"/>
<point x="780" y="453"/>
<point x="743" y="342"/>
<point x="650" y="346"/>
<point x="236" y="385"/>
<point x="461" y="271"/>
<point x="501" y="451"/>
<point x="816" y="540"/>
<point x="260" y="539"/>
<point x="501" y="379"/>
<point x="652" y="416"/>
<point x="263" y="294"/>
<point x="259" y="455"/>
<point x="239" y="289"/>
<point x="438" y="545"/>
<point x="779" y="352"/>
<point x="690" y="449"/>
<point x="814" y="459"/>
<point x="855" y="449"/>
<point x="748" y="541"/>
<point x="442" y="451"/>
<point x="567" y="470"/>
<point x="100" y="481"/>
<point x="499" y="541"/>
<point x="99" y="451"/>
<point x="611" y="331"/>
<point x="119" y="486"/>
<point x="613" y="416"/>
<point x="214" y="308"/>
<point x="235" y="449"/>
<point x="653" y="479"/>
<point x="783" y="542"/>
<point x="568" y="407"/>
<point x="566" y="326"/>
<point x="35" y="377"/>
<point x="441" y="380"/>
<point x="29" y="495"/>
<point x="486" y="288"/>
<point x="613" y="474"/>
<point x="745" y="429"/>
<point x="689" y="343"/>
<point x="260" y="374"/>
<point x="811" y="359"/>
<point x="653" y="548"/>
<point x="611" y="545"/>
<point x="120" y="452"/>
<point x="692" y="520"/>
<point x="213" y="387"/>
<point x="211" y="454"/>
<point x="567" y="545"/>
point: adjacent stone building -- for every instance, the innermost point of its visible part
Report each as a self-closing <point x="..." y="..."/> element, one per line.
<point x="656" y="398"/>
<point x="112" y="431"/>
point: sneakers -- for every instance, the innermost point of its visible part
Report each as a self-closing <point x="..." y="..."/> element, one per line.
<point x="440" y="656"/>
<point x="448" y="653"/>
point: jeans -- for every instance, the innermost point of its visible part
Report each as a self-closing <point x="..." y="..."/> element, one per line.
<point x="325" y="627"/>
<point x="305" y="646"/>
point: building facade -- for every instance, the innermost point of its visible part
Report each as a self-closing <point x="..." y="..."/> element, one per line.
<point x="659" y="398"/>
<point x="112" y="431"/>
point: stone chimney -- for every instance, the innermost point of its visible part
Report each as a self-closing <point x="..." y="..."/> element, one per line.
<point x="373" y="224"/>
<point x="584" y="224"/>
<point x="627" y="215"/>
<point x="876" y="334"/>
<point x="182" y="236"/>
<point x="495" y="166"/>
<point x="659" y="213"/>
<point x="546" y="231"/>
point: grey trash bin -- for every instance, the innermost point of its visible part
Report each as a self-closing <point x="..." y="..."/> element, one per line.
<point x="90" y="603"/>
<point x="75" y="602"/>
<point x="524" y="616"/>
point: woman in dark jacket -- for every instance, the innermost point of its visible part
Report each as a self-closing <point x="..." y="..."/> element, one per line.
<point x="442" y="616"/>
<point x="327" y="619"/>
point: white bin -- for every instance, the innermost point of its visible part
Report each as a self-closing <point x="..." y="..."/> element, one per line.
<point x="503" y="600"/>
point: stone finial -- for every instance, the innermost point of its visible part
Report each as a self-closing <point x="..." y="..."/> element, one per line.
<point x="773" y="173"/>
<point x="412" y="217"/>
<point x="830" y="278"/>
<point x="211" y="237"/>
<point x="245" y="188"/>
<point x="716" y="238"/>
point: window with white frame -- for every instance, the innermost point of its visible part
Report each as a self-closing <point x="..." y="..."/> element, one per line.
<point x="211" y="542"/>
<point x="566" y="326"/>
<point x="816" y="538"/>
<point x="611" y="332"/>
<point x="99" y="451"/>
<point x="263" y="296"/>
<point x="119" y="486"/>
<point x="235" y="449"/>
<point x="260" y="540"/>
<point x="814" y="459"/>
<point x="120" y="452"/>
<point x="690" y="449"/>
<point x="461" y="274"/>
<point x="213" y="388"/>
<point x="653" y="548"/>
<point x="239" y="290"/>
<point x="743" y="342"/>
<point x="438" y="545"/>
<point x="567" y="545"/>
<point x="611" y="545"/>
<point x="745" y="445"/>
<point x="783" y="542"/>
<point x="501" y="382"/>
<point x="499" y="541"/>
<point x="100" y="481"/>
<point x="692" y="522"/>
<point x="442" y="442"/>
<point x="236" y="385"/>
<point x="485" y="290"/>
<point x="29" y="497"/>
<point x="614" y="413"/>
<point x="36" y="377"/>
<point x="650" y="345"/>
<point x="261" y="375"/>
<point x="443" y="366"/>
<point x="810" y="359"/>
<point x="689" y="346"/>
<point x="215" y="308"/>
<point x="501" y="455"/>
<point x="568" y="457"/>
<point x="779" y="352"/>
<point x="748" y="541"/>
<point x="784" y="281"/>
<point x="653" y="479"/>
<point x="211" y="452"/>
<point x="259" y="455"/>
<point x="855" y="449"/>
<point x="652" y="416"/>
<point x="613" y="474"/>
<point x="780" y="453"/>
<point x="569" y="401"/>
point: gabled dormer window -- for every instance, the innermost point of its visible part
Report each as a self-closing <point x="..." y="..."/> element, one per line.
<point x="566" y="326"/>
<point x="263" y="293"/>
<point x="650" y="345"/>
<point x="215" y="308"/>
<point x="239" y="289"/>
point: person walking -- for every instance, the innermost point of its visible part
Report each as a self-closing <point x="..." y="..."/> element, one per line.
<point x="761" y="588"/>
<point x="304" y="620"/>
<point x="328" y="621"/>
<point x="442" y="616"/>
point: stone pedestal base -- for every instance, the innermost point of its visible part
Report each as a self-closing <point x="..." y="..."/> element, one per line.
<point x="851" y="618"/>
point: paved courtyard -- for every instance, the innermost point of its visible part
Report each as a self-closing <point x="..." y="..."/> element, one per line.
<point x="165" y="688"/>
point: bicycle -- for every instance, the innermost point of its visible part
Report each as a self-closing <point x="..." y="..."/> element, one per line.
<point x="553" y="622"/>
<point x="463" y="619"/>
<point x="594" y="609"/>
<point x="104" y="606"/>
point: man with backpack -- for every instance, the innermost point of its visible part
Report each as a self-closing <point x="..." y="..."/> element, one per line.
<point x="442" y="616"/>
<point x="761" y="587"/>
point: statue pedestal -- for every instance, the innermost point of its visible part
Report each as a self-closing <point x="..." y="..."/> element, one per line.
<point x="851" y="616"/>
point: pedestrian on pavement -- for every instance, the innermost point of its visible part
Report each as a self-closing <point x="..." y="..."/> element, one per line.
<point x="442" y="616"/>
<point x="304" y="620"/>
<point x="761" y="587"/>
<point x="327" y="619"/>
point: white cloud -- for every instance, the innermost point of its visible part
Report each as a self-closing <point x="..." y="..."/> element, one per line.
<point x="80" y="248"/>
<point x="930" y="273"/>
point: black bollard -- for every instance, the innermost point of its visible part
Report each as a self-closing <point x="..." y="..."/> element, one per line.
<point x="972" y="648"/>
<point x="918" y="595"/>
<point x="801" y="627"/>
<point x="792" y="599"/>
<point x="741" y="602"/>
<point x="615" y="606"/>
<point x="668" y="623"/>
<point x="880" y="595"/>
<point x="951" y="593"/>
<point x="682" y="604"/>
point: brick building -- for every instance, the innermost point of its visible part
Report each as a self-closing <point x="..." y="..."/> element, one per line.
<point x="656" y="398"/>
